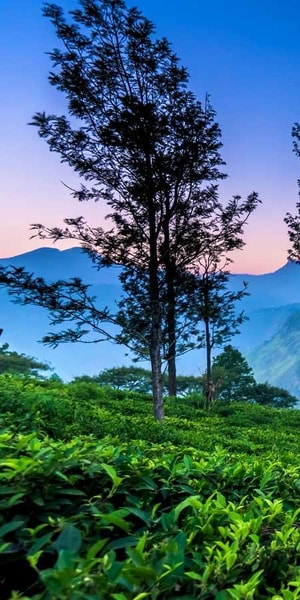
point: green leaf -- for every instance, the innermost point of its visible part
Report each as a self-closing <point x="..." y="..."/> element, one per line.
<point x="191" y="501"/>
<point x="114" y="519"/>
<point x="39" y="543"/>
<point x="230" y="558"/>
<point x="68" y="540"/>
<point x="112" y="474"/>
<point x="144" y="572"/>
<point x="137" y="557"/>
<point x="95" y="548"/>
<point x="9" y="527"/>
<point x="194" y="575"/>
<point x="124" y="542"/>
<point x="65" y="560"/>
<point x="139" y="513"/>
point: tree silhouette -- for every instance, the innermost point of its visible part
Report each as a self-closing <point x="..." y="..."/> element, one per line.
<point x="146" y="147"/>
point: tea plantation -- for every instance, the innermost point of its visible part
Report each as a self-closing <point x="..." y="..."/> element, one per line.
<point x="100" y="502"/>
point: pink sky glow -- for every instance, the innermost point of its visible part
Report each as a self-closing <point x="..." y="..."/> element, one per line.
<point x="247" y="58"/>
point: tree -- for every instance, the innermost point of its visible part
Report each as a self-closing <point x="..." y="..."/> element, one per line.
<point x="126" y="378"/>
<point x="145" y="143"/>
<point x="270" y="395"/>
<point x="293" y="221"/>
<point x="211" y="307"/>
<point x="13" y="362"/>
<point x="201" y="295"/>
<point x="150" y="150"/>
<point x="232" y="376"/>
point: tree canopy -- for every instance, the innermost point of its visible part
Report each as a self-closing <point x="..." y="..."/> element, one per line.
<point x="13" y="362"/>
<point x="143" y="144"/>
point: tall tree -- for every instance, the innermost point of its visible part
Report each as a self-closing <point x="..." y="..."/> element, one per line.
<point x="145" y="146"/>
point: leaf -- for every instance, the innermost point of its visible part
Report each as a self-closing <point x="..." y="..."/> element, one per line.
<point x="230" y="559"/>
<point x="9" y="527"/>
<point x="65" y="560"/>
<point x="112" y="474"/>
<point x="124" y="542"/>
<point x="114" y="519"/>
<point x="144" y="572"/>
<point x="221" y="500"/>
<point x="69" y="539"/>
<point x="140" y="513"/>
<point x="191" y="501"/>
<point x="194" y="575"/>
<point x="95" y="548"/>
<point x="136" y="557"/>
<point x="12" y="500"/>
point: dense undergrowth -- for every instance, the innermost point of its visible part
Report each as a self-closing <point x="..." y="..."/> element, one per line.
<point x="99" y="502"/>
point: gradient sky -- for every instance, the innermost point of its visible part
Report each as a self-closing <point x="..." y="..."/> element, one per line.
<point x="245" y="54"/>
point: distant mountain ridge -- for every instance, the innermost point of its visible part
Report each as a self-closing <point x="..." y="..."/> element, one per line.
<point x="280" y="355"/>
<point x="273" y="309"/>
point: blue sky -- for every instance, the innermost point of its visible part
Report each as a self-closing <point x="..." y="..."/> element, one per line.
<point x="246" y="55"/>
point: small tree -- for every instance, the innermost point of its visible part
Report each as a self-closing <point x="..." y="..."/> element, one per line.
<point x="213" y="305"/>
<point x="232" y="376"/>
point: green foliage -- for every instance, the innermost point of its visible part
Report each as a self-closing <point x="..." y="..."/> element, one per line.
<point x="140" y="380"/>
<point x="85" y="520"/>
<point x="264" y="393"/>
<point x="232" y="375"/>
<point x="13" y="362"/>
<point x="124" y="378"/>
<point x="234" y="382"/>
<point x="199" y="506"/>
<point x="82" y="408"/>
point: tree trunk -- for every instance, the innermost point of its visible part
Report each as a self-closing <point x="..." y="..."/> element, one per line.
<point x="171" y="331"/>
<point x="172" y="378"/>
<point x="158" y="405"/>
<point x="208" y="344"/>
<point x="155" y="348"/>
<point x="156" y="326"/>
<point x="171" y="310"/>
<point x="208" y="383"/>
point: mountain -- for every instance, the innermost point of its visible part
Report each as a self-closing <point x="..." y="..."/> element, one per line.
<point x="278" y="359"/>
<point x="63" y="264"/>
<point x="268" y="337"/>
<point x="272" y="290"/>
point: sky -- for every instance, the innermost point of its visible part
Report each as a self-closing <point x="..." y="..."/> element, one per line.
<point x="244" y="53"/>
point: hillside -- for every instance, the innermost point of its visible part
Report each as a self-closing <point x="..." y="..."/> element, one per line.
<point x="99" y="501"/>
<point x="272" y="307"/>
<point x="278" y="359"/>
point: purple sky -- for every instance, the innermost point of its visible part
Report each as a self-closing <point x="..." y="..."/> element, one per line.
<point x="246" y="55"/>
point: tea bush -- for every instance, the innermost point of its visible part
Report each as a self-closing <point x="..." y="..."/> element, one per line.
<point x="86" y="520"/>
<point x="98" y="501"/>
<point x="66" y="410"/>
